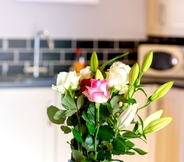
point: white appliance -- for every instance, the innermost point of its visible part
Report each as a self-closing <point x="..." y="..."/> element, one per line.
<point x="168" y="60"/>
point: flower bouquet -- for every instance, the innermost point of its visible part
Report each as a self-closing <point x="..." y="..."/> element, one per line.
<point x="98" y="105"/>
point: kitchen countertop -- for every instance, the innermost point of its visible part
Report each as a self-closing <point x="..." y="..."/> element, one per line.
<point x="26" y="82"/>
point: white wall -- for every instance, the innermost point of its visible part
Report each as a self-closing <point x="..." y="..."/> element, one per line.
<point x="110" y="19"/>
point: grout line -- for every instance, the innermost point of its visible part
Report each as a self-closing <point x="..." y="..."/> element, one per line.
<point x="5" y="44"/>
<point x="62" y="54"/>
<point x="74" y="44"/>
<point x="16" y="56"/>
<point x="28" y="44"/>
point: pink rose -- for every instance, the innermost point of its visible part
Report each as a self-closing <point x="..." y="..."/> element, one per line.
<point x="97" y="91"/>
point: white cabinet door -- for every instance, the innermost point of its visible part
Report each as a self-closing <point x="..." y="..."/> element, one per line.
<point x="165" y="18"/>
<point x="169" y="140"/>
<point x="26" y="135"/>
<point x="62" y="148"/>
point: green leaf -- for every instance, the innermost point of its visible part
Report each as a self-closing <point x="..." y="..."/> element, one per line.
<point x="115" y="58"/>
<point x="72" y="120"/>
<point x="78" y="156"/>
<point x="130" y="153"/>
<point x="129" y="144"/>
<point x="129" y="134"/>
<point x="141" y="122"/>
<point x="83" y="128"/>
<point x="51" y="111"/>
<point x="70" y="112"/>
<point x="80" y="101"/>
<point x="109" y="107"/>
<point x="77" y="135"/>
<point x="115" y="102"/>
<point x="119" y="146"/>
<point x="106" y="133"/>
<point x="131" y="101"/>
<point x="104" y="155"/>
<point x="139" y="151"/>
<point x="65" y="129"/>
<point x="91" y="127"/>
<point x="91" y="113"/>
<point x="116" y="160"/>
<point x="141" y="89"/>
<point x="89" y="142"/>
<point x="116" y="99"/>
<point x="68" y="102"/>
<point x="104" y="112"/>
<point x="60" y="114"/>
<point x="136" y="127"/>
<point x="108" y="145"/>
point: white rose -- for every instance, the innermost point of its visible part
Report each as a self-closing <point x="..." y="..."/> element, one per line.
<point x="118" y="76"/>
<point x="65" y="81"/>
<point x="86" y="73"/>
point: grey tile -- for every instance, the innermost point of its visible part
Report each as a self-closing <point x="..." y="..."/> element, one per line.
<point x="15" y="69"/>
<point x="51" y="56"/>
<point x="6" y="56"/>
<point x="126" y="44"/>
<point x="60" y="68"/>
<point x="84" y="44"/>
<point x="62" y="44"/>
<point x="17" y="43"/>
<point x="105" y="44"/>
<point x="26" y="56"/>
<point x="70" y="56"/>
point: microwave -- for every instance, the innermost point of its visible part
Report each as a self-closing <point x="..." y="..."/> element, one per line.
<point x="168" y="60"/>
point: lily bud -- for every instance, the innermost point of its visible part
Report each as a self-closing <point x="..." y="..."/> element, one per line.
<point x="98" y="75"/>
<point x="94" y="62"/>
<point x="150" y="118"/>
<point x="154" y="116"/>
<point x="127" y="116"/>
<point x="134" y="72"/>
<point x="157" y="124"/>
<point x="147" y="61"/>
<point x="161" y="91"/>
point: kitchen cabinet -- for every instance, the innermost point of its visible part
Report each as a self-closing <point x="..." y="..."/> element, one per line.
<point x="165" y="18"/>
<point x="170" y="141"/>
<point x="26" y="134"/>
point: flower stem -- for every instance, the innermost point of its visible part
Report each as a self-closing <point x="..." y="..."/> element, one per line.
<point x="97" y="130"/>
<point x="79" y="125"/>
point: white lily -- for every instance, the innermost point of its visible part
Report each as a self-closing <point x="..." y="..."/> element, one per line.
<point x="127" y="116"/>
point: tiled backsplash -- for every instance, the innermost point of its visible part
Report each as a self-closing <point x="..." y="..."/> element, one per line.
<point x="15" y="54"/>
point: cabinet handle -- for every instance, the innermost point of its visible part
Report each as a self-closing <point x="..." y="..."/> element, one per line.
<point x="162" y="14"/>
